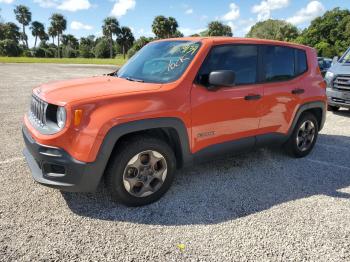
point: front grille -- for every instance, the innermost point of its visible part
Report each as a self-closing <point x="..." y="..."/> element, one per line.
<point x="38" y="111"/>
<point x="342" y="82"/>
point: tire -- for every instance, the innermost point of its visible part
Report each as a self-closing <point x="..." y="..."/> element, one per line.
<point x="333" y="108"/>
<point x="294" y="146"/>
<point x="129" y="177"/>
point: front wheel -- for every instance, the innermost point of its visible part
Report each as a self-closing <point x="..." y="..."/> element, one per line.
<point x="304" y="136"/>
<point x="141" y="172"/>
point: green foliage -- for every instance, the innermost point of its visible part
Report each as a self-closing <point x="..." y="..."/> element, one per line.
<point x="39" y="52"/>
<point x="110" y="27"/>
<point x="69" y="52"/>
<point x="86" y="46"/>
<point x="165" y="27"/>
<point x="217" y="28"/>
<point x="125" y="39"/>
<point x="178" y="34"/>
<point x="329" y="33"/>
<point x="139" y="43"/>
<point x="70" y="40"/>
<point x="38" y="30"/>
<point x="9" y="31"/>
<point x="27" y="53"/>
<point x="324" y="49"/>
<point x="58" y="25"/>
<point x="24" y="17"/>
<point x="275" y="30"/>
<point x="9" y="47"/>
<point x="102" y="49"/>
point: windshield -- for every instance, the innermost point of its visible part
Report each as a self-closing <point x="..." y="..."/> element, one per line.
<point x="345" y="58"/>
<point x="160" y="62"/>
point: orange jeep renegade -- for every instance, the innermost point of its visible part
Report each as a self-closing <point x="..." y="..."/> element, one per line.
<point x="174" y="103"/>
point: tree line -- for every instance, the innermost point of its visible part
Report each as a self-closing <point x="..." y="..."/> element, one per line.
<point x="329" y="34"/>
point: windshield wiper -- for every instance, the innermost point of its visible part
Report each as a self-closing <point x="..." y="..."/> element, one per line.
<point x="134" y="79"/>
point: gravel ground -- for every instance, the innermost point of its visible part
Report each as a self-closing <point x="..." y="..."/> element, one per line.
<point x="260" y="206"/>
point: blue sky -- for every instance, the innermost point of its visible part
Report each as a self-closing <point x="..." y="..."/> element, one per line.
<point x="85" y="17"/>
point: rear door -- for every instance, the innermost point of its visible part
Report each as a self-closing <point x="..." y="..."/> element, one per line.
<point x="283" y="69"/>
<point x="229" y="113"/>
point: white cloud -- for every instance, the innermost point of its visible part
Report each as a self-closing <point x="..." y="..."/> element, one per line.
<point x="46" y="3"/>
<point x="74" y="5"/>
<point x="67" y="5"/>
<point x="76" y="25"/>
<point x="7" y="1"/>
<point x="189" y="11"/>
<point x="233" y="14"/>
<point x="266" y="6"/>
<point x="308" y="13"/>
<point x="121" y="7"/>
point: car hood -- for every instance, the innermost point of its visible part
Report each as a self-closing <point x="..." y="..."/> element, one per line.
<point x="63" y="92"/>
<point x="340" y="69"/>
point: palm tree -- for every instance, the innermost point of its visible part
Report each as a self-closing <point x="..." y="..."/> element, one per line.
<point x="38" y="30"/>
<point x="110" y="27"/>
<point x="159" y="26"/>
<point x="51" y="32"/>
<point x="70" y="40"/>
<point x="59" y="24"/>
<point x="24" y="17"/>
<point x="172" y="27"/>
<point x="43" y="36"/>
<point x="125" y="39"/>
<point x="164" y="27"/>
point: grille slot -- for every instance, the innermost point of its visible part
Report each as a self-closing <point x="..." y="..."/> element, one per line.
<point x="342" y="82"/>
<point x="38" y="111"/>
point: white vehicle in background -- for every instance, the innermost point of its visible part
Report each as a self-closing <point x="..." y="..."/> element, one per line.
<point x="338" y="83"/>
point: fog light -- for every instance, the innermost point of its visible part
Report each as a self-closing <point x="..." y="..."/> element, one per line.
<point x="53" y="170"/>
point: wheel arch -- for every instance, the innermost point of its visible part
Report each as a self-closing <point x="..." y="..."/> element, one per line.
<point x="173" y="129"/>
<point x="317" y="108"/>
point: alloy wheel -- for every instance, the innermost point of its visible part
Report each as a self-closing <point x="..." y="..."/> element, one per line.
<point x="145" y="173"/>
<point x="305" y="135"/>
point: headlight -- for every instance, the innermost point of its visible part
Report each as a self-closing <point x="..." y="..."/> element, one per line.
<point x="329" y="76"/>
<point x="61" y="116"/>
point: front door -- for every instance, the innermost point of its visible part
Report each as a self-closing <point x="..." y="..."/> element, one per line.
<point x="229" y="113"/>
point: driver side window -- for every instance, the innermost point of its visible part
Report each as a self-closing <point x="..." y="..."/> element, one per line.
<point x="241" y="59"/>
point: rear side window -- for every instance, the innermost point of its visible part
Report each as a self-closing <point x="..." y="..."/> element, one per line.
<point x="301" y="62"/>
<point x="242" y="59"/>
<point x="279" y="63"/>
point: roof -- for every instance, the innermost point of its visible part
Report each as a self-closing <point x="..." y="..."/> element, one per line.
<point x="229" y="40"/>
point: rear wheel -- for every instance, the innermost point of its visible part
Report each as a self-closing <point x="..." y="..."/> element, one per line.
<point x="141" y="172"/>
<point x="304" y="136"/>
<point x="332" y="108"/>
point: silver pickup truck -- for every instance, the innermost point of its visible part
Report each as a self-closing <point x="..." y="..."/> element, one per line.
<point x="338" y="83"/>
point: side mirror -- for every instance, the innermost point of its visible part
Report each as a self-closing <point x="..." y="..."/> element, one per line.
<point x="221" y="78"/>
<point x="335" y="59"/>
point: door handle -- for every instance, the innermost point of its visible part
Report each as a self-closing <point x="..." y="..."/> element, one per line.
<point x="252" y="97"/>
<point x="298" y="91"/>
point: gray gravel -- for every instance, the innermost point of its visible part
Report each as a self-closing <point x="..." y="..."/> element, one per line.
<point x="259" y="206"/>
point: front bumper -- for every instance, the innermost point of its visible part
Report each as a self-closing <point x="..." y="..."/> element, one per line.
<point x="54" y="167"/>
<point x="338" y="98"/>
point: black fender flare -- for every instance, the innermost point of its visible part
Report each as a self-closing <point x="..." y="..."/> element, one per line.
<point x="116" y="132"/>
<point x="307" y="106"/>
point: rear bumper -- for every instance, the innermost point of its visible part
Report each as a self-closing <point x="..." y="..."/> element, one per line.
<point x="338" y="98"/>
<point x="54" y="167"/>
